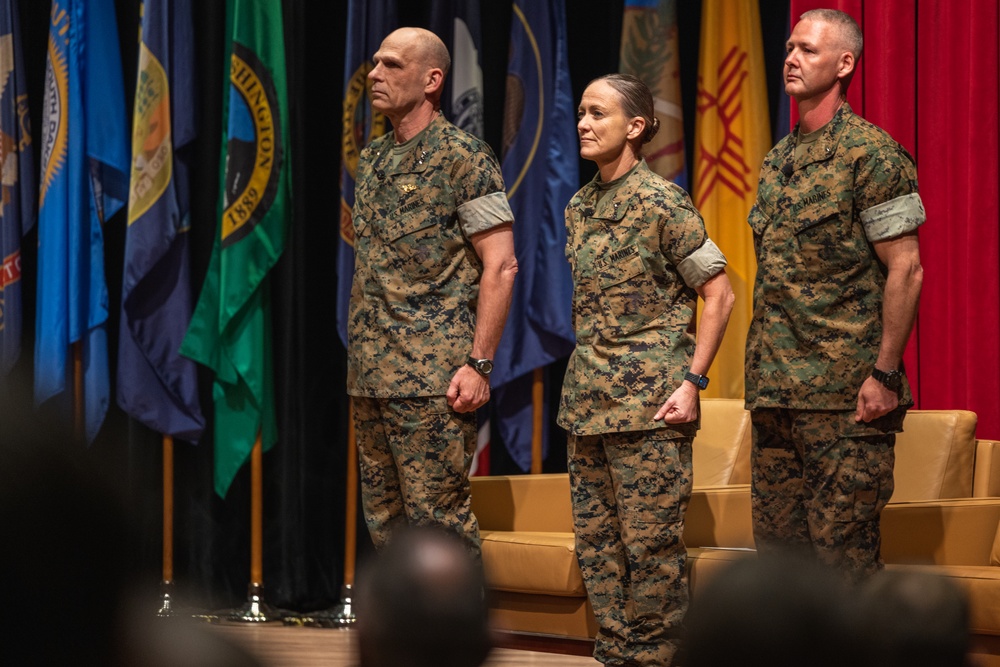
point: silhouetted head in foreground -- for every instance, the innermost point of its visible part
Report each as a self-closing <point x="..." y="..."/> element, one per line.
<point x="781" y="612"/>
<point x="421" y="603"/>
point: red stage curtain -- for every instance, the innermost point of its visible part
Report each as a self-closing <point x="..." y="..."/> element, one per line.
<point x="929" y="76"/>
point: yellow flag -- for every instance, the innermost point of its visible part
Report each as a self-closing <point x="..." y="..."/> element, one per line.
<point x="732" y="134"/>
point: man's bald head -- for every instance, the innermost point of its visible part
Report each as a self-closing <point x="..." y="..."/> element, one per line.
<point x="426" y="47"/>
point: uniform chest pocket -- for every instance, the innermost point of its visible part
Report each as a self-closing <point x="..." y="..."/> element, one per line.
<point x="418" y="235"/>
<point x="629" y="296"/>
<point x="827" y="242"/>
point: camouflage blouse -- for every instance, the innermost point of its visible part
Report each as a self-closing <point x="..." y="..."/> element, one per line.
<point x="817" y="320"/>
<point x="416" y="278"/>
<point x="636" y="257"/>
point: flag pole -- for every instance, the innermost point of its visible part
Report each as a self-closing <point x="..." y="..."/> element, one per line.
<point x="78" y="419"/>
<point x="167" y="582"/>
<point x="538" y="412"/>
<point x="256" y="610"/>
<point x="341" y="615"/>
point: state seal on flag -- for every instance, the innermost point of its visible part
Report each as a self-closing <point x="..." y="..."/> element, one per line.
<point x="254" y="152"/>
<point x="55" y="130"/>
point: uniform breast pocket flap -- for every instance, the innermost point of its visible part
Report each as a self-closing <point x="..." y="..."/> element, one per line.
<point x="622" y="271"/>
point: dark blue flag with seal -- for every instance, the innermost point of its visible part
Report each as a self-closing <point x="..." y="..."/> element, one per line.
<point x="17" y="179"/>
<point x="457" y="23"/>
<point x="84" y="182"/>
<point x="541" y="172"/>
<point x="156" y="385"/>
<point x="368" y="22"/>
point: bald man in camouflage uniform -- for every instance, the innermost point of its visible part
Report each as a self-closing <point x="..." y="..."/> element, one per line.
<point x="433" y="280"/>
<point x="838" y="281"/>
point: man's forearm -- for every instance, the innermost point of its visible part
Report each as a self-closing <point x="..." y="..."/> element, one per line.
<point x="495" y="290"/>
<point x="899" y="312"/>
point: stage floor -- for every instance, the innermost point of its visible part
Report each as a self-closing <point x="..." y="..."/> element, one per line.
<point x="288" y="646"/>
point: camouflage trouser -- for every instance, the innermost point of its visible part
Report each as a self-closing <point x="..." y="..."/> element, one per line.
<point x="630" y="492"/>
<point x="415" y="455"/>
<point x="820" y="482"/>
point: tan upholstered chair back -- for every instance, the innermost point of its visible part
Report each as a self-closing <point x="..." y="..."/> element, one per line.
<point x="721" y="450"/>
<point x="935" y="455"/>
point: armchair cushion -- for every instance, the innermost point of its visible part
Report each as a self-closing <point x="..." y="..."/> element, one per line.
<point x="935" y="455"/>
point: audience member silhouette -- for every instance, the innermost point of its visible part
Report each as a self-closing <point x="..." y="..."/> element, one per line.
<point x="780" y="612"/>
<point x="70" y="584"/>
<point x="916" y="619"/>
<point x="421" y="603"/>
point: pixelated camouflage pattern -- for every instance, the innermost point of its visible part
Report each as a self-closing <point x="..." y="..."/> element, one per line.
<point x="416" y="278"/>
<point x="415" y="455"/>
<point x="630" y="494"/>
<point x="817" y="325"/>
<point x="820" y="482"/>
<point x="631" y="307"/>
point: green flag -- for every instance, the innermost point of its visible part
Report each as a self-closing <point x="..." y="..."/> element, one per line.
<point x="230" y="330"/>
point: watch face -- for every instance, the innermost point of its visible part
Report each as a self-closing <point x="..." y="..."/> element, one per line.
<point x="485" y="366"/>
<point x="890" y="379"/>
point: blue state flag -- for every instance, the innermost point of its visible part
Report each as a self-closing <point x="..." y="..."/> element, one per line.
<point x="368" y="22"/>
<point x="83" y="183"/>
<point x="17" y="179"/>
<point x="156" y="385"/>
<point x="540" y="170"/>
<point x="457" y="23"/>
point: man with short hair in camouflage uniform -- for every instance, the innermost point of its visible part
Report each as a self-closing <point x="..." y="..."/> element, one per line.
<point x="433" y="280"/>
<point x="838" y="281"/>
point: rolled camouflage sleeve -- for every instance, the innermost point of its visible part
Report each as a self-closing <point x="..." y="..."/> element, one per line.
<point x="886" y="194"/>
<point x="702" y="264"/>
<point x="484" y="213"/>
<point x="893" y="218"/>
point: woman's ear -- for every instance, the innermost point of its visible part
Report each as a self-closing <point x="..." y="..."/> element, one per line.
<point x="636" y="127"/>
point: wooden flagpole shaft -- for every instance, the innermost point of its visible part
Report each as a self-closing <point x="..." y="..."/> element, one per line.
<point x="256" y="610"/>
<point x="168" y="509"/>
<point x="78" y="418"/>
<point x="167" y="607"/>
<point x="257" y="514"/>
<point x="350" y="519"/>
<point x="537" y="424"/>
<point x="342" y="615"/>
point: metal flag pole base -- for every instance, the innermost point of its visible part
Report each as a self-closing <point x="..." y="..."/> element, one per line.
<point x="339" y="616"/>
<point x="256" y="610"/>
<point x="168" y="606"/>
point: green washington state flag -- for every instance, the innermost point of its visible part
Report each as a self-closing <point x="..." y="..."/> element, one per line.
<point x="230" y="330"/>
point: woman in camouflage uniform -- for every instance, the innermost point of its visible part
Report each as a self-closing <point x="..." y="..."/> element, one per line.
<point x="639" y="255"/>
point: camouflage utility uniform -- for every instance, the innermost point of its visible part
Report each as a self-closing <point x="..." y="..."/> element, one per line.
<point x="820" y="480"/>
<point x="637" y="252"/>
<point x="412" y="319"/>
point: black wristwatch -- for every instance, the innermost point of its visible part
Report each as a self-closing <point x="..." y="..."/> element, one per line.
<point x="700" y="381"/>
<point x="483" y="366"/>
<point x="892" y="380"/>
